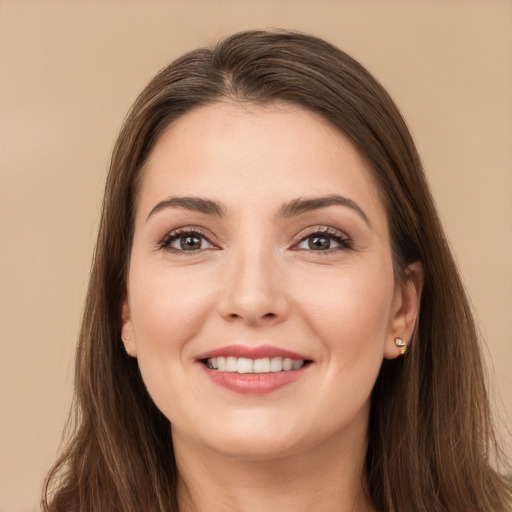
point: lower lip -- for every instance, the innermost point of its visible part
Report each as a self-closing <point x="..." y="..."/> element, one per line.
<point x="254" y="383"/>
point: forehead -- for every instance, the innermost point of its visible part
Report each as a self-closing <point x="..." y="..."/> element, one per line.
<point x="243" y="153"/>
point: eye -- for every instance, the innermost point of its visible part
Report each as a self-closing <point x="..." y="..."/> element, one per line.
<point x="186" y="241"/>
<point x="323" y="241"/>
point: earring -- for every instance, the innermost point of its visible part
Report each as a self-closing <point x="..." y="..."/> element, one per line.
<point x="125" y="340"/>
<point x="400" y="343"/>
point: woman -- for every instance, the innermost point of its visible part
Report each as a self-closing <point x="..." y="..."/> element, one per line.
<point x="253" y="337"/>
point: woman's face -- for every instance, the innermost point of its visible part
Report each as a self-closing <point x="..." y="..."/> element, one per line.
<point x="261" y="298"/>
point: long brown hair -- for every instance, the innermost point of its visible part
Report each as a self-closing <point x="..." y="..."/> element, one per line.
<point x="431" y="440"/>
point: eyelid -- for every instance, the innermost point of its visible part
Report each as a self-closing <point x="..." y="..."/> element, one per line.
<point x="339" y="236"/>
<point x="165" y="240"/>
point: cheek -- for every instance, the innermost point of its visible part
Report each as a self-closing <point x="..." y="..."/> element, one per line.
<point x="168" y="309"/>
<point x="344" y="313"/>
<point x="350" y="312"/>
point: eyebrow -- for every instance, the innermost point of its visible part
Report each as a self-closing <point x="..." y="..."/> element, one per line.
<point x="197" y="204"/>
<point x="302" y="205"/>
<point x="287" y="210"/>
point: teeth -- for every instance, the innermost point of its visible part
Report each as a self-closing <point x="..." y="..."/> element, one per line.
<point x="246" y="365"/>
<point x="231" y="364"/>
<point x="276" y="364"/>
<point x="261" y="365"/>
<point x="297" y="364"/>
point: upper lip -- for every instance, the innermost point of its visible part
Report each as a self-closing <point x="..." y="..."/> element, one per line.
<point x="253" y="352"/>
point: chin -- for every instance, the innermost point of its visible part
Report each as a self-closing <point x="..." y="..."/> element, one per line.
<point x="257" y="448"/>
<point x="248" y="440"/>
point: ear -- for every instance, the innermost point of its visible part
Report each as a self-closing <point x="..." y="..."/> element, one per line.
<point x="127" y="331"/>
<point x="405" y="309"/>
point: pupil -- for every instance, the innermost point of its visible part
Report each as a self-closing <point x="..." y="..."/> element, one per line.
<point x="319" y="242"/>
<point x="190" y="242"/>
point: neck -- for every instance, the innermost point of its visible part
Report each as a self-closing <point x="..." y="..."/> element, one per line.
<point x="325" y="478"/>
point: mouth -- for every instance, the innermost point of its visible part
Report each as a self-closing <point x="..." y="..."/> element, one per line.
<point x="245" y="365"/>
<point x="254" y="370"/>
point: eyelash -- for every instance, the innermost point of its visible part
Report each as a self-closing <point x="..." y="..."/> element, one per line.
<point x="326" y="232"/>
<point x="171" y="237"/>
<point x="345" y="243"/>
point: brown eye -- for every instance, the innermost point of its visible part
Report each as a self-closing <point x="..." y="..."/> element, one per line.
<point x="190" y="242"/>
<point x="186" y="241"/>
<point x="324" y="241"/>
<point x="319" y="243"/>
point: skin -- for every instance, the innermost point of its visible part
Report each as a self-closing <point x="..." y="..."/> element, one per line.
<point x="255" y="280"/>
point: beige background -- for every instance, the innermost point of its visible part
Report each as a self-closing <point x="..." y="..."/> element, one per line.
<point x="69" y="72"/>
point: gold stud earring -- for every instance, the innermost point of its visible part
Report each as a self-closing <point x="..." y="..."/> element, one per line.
<point x="400" y="343"/>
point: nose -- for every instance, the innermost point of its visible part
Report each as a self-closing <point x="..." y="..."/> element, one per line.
<point x="253" y="290"/>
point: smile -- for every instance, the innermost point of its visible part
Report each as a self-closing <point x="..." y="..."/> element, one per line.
<point x="254" y="370"/>
<point x="246" y="365"/>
